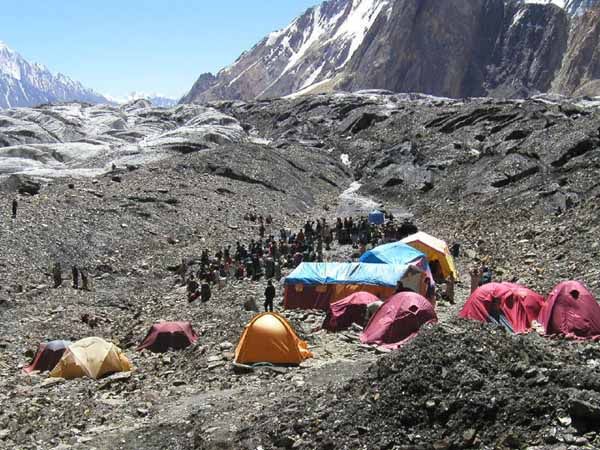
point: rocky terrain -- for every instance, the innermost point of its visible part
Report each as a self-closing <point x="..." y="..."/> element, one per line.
<point x="513" y="181"/>
<point x="30" y="84"/>
<point x="455" y="48"/>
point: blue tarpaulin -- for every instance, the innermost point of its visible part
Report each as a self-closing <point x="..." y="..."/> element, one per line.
<point x="393" y="253"/>
<point x="347" y="273"/>
<point x="376" y="218"/>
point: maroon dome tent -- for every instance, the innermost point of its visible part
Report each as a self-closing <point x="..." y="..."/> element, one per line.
<point x="349" y="310"/>
<point x="169" y="335"/>
<point x="517" y="306"/>
<point x="47" y="356"/>
<point x="572" y="311"/>
<point x="398" y="320"/>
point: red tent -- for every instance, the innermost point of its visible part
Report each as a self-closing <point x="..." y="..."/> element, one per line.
<point x="165" y="335"/>
<point x="398" y="320"/>
<point x="47" y="356"/>
<point x="518" y="304"/>
<point x="349" y="310"/>
<point x="572" y="311"/>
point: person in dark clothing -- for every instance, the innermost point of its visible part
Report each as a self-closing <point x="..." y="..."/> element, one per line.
<point x="192" y="289"/>
<point x="269" y="296"/>
<point x="15" y="205"/>
<point x="261" y="230"/>
<point x="430" y="292"/>
<point x="75" y="273"/>
<point x="486" y="276"/>
<point x="85" y="283"/>
<point x="436" y="270"/>
<point x="205" y="292"/>
<point x="455" y="250"/>
<point x="57" y="275"/>
<point x="497" y="317"/>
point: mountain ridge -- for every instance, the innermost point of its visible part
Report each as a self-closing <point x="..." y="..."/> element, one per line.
<point x="346" y="45"/>
<point x="26" y="84"/>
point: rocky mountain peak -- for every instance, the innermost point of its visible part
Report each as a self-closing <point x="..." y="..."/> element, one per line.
<point x="310" y="51"/>
<point x="572" y="7"/>
<point x="28" y="84"/>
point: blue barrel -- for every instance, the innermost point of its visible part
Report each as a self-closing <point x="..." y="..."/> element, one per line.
<point x="376" y="218"/>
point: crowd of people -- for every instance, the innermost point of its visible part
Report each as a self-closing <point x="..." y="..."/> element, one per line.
<point x="268" y="254"/>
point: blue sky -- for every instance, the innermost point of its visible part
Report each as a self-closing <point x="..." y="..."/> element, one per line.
<point x="151" y="46"/>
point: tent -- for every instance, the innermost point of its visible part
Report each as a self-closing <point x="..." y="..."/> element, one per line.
<point x="398" y="320"/>
<point x="165" y="335"/>
<point x="317" y="285"/>
<point x="47" y="356"/>
<point x="270" y="338"/>
<point x="376" y="218"/>
<point x="349" y="310"/>
<point x="393" y="253"/>
<point x="436" y="251"/>
<point x="519" y="305"/>
<point x="572" y="311"/>
<point x="91" y="357"/>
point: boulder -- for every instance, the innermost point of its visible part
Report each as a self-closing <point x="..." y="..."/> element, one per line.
<point x="21" y="184"/>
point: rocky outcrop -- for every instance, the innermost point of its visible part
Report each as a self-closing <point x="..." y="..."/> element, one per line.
<point x="580" y="72"/>
<point x="500" y="48"/>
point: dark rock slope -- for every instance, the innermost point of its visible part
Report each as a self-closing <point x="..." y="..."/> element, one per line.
<point x="500" y="48"/>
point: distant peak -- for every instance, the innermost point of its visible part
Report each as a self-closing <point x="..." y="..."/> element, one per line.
<point x="5" y="47"/>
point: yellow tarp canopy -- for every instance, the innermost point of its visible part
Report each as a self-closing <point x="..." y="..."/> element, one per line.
<point x="91" y="357"/>
<point x="270" y="338"/>
<point x="436" y="250"/>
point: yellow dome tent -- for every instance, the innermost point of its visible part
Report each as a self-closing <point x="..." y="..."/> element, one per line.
<point x="436" y="250"/>
<point x="91" y="357"/>
<point x="270" y="338"/>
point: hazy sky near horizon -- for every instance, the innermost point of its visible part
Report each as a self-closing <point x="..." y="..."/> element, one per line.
<point x="152" y="46"/>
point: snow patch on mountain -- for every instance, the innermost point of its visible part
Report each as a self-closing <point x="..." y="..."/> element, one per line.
<point x="573" y="7"/>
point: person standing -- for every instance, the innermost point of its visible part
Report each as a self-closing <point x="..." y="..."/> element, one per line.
<point x="205" y="292"/>
<point x="269" y="296"/>
<point x="85" y="281"/>
<point x="75" y="274"/>
<point x="192" y="289"/>
<point x="57" y="275"/>
<point x="475" y="274"/>
<point x="15" y="205"/>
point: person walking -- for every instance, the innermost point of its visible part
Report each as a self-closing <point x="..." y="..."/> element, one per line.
<point x="269" y="296"/>
<point x="15" y="205"/>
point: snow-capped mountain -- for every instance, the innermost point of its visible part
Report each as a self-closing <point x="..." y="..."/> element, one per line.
<point x="311" y="50"/>
<point x="30" y="84"/>
<point x="157" y="100"/>
<point x="450" y="48"/>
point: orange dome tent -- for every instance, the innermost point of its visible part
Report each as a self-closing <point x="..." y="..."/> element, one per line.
<point x="270" y="338"/>
<point x="437" y="252"/>
<point x="91" y="357"/>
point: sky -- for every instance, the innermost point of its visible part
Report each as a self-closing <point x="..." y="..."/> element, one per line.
<point x="117" y="47"/>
